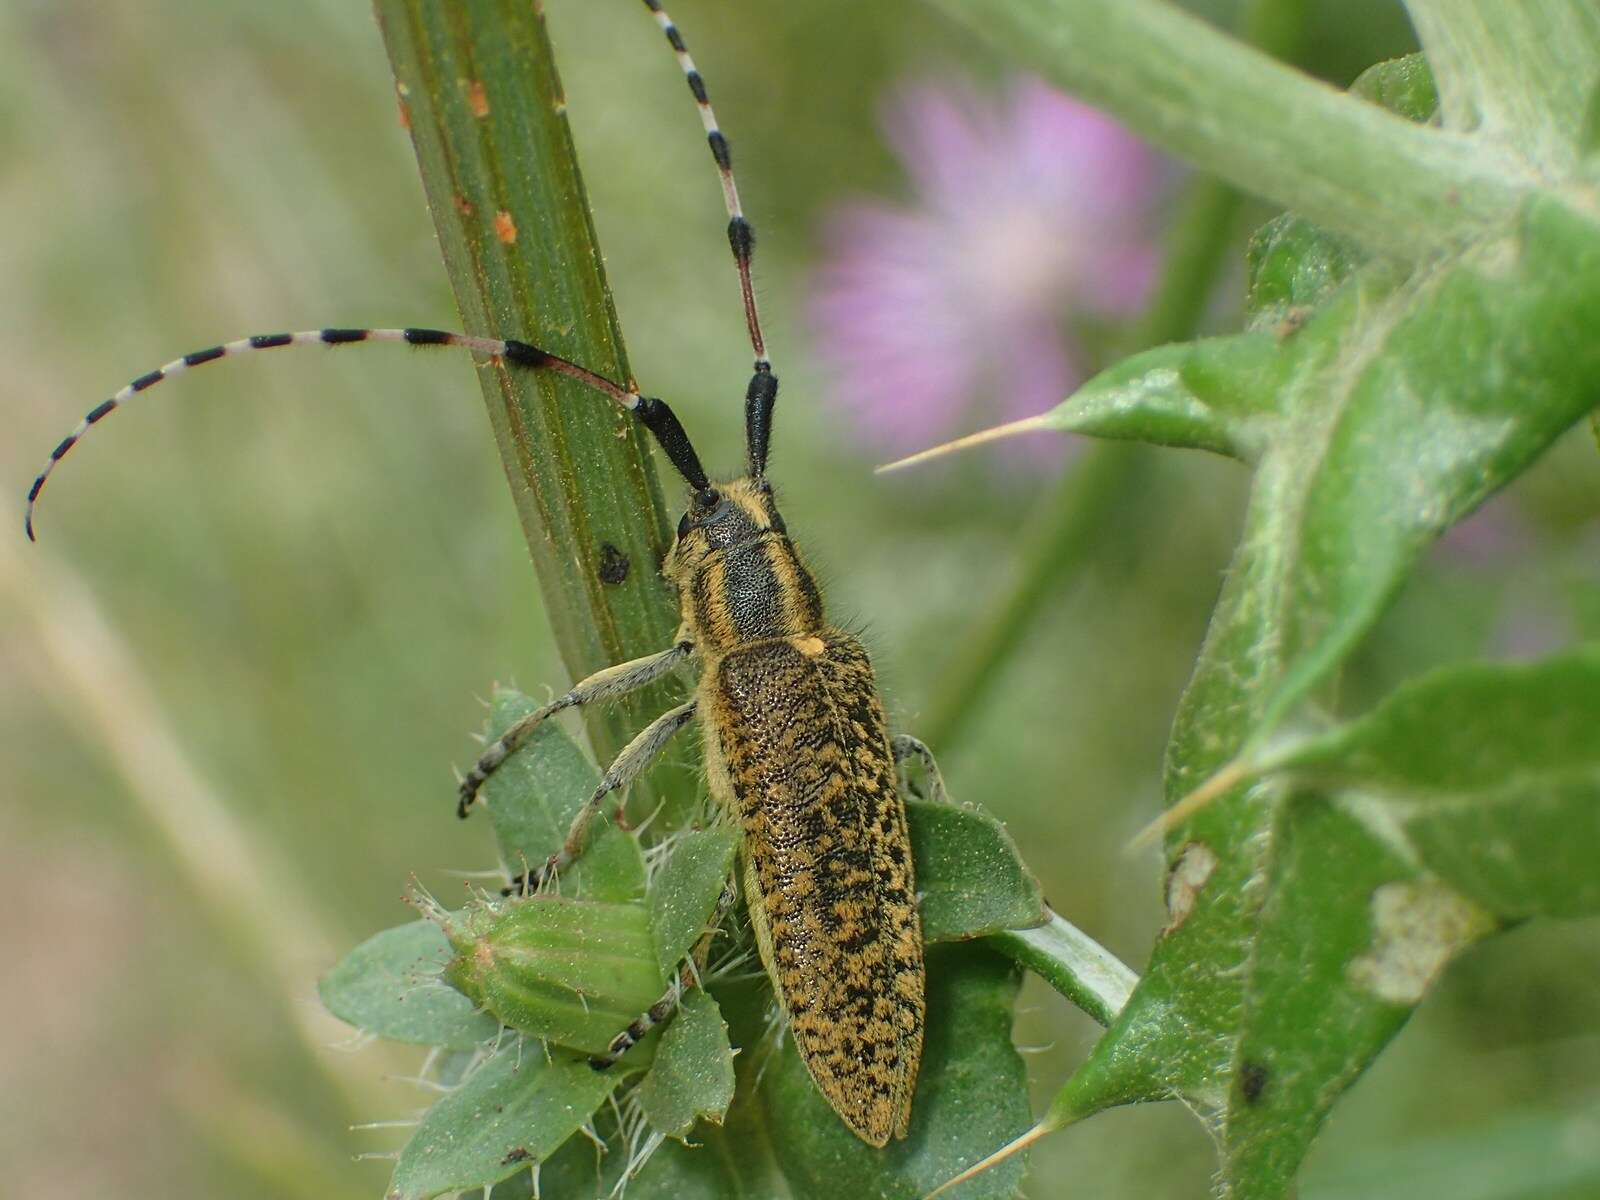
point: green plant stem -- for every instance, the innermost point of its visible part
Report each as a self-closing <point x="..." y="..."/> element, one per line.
<point x="478" y="86"/>
<point x="1393" y="186"/>
<point x="1523" y="73"/>
<point x="1062" y="536"/>
<point x="1073" y="963"/>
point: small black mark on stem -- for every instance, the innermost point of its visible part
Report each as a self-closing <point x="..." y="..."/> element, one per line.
<point x="613" y="565"/>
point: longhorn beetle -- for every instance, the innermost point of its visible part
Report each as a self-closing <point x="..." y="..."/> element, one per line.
<point x="797" y="748"/>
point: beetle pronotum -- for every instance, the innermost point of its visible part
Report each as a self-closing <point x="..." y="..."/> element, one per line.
<point x="796" y="743"/>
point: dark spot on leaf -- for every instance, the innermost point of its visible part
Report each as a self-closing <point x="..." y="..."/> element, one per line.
<point x="613" y="565"/>
<point x="1252" y="1082"/>
<point x="520" y="1154"/>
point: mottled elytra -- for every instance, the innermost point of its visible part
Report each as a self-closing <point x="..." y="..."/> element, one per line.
<point x="797" y="748"/>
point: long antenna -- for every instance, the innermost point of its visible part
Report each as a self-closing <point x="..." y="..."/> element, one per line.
<point x="762" y="395"/>
<point x="653" y="414"/>
<point x="741" y="236"/>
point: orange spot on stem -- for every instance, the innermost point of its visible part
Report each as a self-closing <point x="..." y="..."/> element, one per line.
<point x="477" y="99"/>
<point x="504" y="227"/>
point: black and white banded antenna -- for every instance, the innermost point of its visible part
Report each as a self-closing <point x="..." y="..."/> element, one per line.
<point x="763" y="391"/>
<point x="653" y="414"/>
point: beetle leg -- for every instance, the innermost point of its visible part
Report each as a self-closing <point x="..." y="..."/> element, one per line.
<point x="602" y="685"/>
<point x="905" y="746"/>
<point x="688" y="977"/>
<point x="636" y="756"/>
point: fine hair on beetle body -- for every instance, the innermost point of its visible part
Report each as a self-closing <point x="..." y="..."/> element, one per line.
<point x="797" y="748"/>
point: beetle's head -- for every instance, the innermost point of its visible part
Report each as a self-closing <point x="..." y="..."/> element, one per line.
<point x="721" y="517"/>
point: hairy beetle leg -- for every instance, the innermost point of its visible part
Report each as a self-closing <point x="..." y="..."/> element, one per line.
<point x="602" y="685"/>
<point x="905" y="746"/>
<point x="635" y="758"/>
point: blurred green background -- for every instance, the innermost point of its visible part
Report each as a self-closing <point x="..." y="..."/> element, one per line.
<point x="250" y="646"/>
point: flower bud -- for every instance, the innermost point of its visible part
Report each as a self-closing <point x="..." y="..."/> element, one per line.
<point x="574" y="972"/>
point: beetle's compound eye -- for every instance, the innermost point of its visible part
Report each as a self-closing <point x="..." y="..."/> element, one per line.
<point x="699" y="509"/>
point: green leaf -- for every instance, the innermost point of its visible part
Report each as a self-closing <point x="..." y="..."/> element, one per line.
<point x="1435" y="395"/>
<point x="1219" y="394"/>
<point x="701" y="1170"/>
<point x="1398" y="414"/>
<point x="1340" y="910"/>
<point x="533" y="798"/>
<point x="692" y="1075"/>
<point x="1407" y="402"/>
<point x="1264" y="1040"/>
<point x="685" y="890"/>
<point x="969" y="874"/>
<point x="1402" y="85"/>
<point x="390" y="986"/>
<point x="514" y="1110"/>
<point x="1294" y="267"/>
<point x="1490" y="773"/>
<point x="782" y="1139"/>
<point x="971" y="1097"/>
<point x="575" y="972"/>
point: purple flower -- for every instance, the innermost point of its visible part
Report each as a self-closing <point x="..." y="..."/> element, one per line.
<point x="951" y="312"/>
